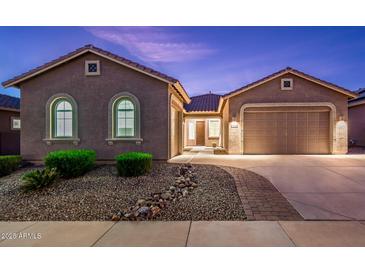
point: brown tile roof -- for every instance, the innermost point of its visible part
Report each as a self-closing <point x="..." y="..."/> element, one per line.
<point x="205" y="102"/>
<point x="128" y="62"/>
<point x="297" y="72"/>
<point x="9" y="102"/>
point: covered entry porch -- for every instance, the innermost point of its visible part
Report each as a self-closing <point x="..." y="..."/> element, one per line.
<point x="202" y="132"/>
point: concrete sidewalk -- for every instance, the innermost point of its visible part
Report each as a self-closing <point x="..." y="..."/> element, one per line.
<point x="185" y="233"/>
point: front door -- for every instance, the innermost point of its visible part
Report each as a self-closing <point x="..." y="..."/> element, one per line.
<point x="200" y="133"/>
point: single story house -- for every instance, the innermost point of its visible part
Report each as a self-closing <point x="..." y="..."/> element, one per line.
<point x="356" y="119"/>
<point x="9" y="125"/>
<point x="91" y="98"/>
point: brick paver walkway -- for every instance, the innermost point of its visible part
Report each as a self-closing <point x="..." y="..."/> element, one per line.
<point x="260" y="199"/>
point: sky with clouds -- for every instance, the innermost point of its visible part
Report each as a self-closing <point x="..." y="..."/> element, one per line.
<point x="217" y="59"/>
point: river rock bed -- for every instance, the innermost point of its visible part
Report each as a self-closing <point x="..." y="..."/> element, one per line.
<point x="209" y="193"/>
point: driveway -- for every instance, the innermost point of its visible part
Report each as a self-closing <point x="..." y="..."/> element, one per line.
<point x="320" y="187"/>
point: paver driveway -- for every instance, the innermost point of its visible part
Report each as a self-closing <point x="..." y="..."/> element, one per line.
<point x="320" y="187"/>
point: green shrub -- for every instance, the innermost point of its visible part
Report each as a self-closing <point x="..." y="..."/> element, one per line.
<point x="71" y="163"/>
<point x="39" y="178"/>
<point x="133" y="163"/>
<point x="9" y="163"/>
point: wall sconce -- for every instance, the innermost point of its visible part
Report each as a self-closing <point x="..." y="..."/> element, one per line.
<point x="234" y="123"/>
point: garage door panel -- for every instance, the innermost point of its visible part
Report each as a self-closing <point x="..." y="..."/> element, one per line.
<point x="296" y="132"/>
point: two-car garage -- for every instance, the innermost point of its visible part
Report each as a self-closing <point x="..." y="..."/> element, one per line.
<point x="286" y="130"/>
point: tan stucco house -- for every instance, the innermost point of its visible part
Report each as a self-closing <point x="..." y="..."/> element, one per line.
<point x="91" y="98"/>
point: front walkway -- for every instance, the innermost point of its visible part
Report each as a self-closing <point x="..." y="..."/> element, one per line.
<point x="319" y="187"/>
<point x="235" y="233"/>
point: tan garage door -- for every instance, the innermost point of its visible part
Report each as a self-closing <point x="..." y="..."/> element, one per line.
<point x="300" y="131"/>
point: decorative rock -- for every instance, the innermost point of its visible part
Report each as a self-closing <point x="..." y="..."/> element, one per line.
<point x="181" y="185"/>
<point x="185" y="192"/>
<point x="141" y="202"/>
<point x="172" y="188"/>
<point x="155" y="210"/>
<point x="194" y="185"/>
<point x="166" y="196"/>
<point x="183" y="170"/>
<point x="144" y="211"/>
<point x="116" y="217"/>
<point x="127" y="215"/>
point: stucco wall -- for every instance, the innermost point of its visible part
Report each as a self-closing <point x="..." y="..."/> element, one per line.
<point x="303" y="91"/>
<point x="357" y="124"/>
<point x="9" y="139"/>
<point x="92" y="94"/>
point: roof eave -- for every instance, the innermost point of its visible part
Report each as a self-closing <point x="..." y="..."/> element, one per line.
<point x="10" y="109"/>
<point x="356" y="102"/>
<point x="182" y="92"/>
<point x="16" y="82"/>
<point x="343" y="91"/>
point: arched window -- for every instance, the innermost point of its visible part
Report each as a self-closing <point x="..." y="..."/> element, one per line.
<point x="63" y="119"/>
<point x="125" y="118"/>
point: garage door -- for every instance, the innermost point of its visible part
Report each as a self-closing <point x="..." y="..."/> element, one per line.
<point x="298" y="131"/>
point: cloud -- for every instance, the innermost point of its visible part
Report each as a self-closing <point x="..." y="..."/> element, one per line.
<point x="153" y="44"/>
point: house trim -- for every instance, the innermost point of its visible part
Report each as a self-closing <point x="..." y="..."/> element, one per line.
<point x="111" y="116"/>
<point x="49" y="139"/>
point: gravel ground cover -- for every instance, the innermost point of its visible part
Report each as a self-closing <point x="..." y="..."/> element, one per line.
<point x="101" y="193"/>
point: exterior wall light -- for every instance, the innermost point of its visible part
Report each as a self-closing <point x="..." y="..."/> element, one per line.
<point x="234" y="123"/>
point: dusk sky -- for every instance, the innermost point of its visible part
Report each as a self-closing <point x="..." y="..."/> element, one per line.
<point x="217" y="59"/>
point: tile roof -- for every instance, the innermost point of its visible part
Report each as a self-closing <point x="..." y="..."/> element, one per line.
<point x="295" y="71"/>
<point x="361" y="92"/>
<point x="205" y="102"/>
<point x="9" y="102"/>
<point x="95" y="49"/>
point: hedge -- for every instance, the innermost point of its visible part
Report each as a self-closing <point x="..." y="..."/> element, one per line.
<point x="9" y="163"/>
<point x="134" y="163"/>
<point x="71" y="163"/>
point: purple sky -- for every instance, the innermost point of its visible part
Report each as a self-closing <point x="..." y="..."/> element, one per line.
<point x="217" y="59"/>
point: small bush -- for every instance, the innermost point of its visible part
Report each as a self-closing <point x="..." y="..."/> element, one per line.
<point x="39" y="178"/>
<point x="9" y="163"/>
<point x="71" y="163"/>
<point x="133" y="163"/>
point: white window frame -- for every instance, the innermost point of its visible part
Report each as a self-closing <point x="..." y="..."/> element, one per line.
<point x="219" y="128"/>
<point x="12" y="119"/>
<point x="87" y="62"/>
<point x="284" y="80"/>
<point x="191" y="130"/>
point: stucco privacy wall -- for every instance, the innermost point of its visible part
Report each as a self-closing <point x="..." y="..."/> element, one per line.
<point x="304" y="91"/>
<point x="92" y="94"/>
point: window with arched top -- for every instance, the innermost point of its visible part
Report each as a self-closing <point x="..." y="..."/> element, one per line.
<point x="63" y="119"/>
<point x="124" y="118"/>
